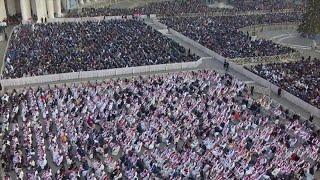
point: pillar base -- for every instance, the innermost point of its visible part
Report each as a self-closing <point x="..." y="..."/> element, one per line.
<point x="26" y="21"/>
<point x="2" y="37"/>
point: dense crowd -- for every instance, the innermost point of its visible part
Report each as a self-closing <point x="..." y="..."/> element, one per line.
<point x="176" y="7"/>
<point x="72" y="47"/>
<point x="222" y="35"/>
<point x="163" y="8"/>
<point x="195" y="125"/>
<point x="300" y="78"/>
<point x="13" y="20"/>
<point x="269" y="5"/>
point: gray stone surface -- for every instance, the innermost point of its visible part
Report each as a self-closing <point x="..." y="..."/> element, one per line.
<point x="3" y="45"/>
<point x="293" y="39"/>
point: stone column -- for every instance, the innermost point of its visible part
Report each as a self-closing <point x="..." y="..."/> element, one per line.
<point x="57" y="8"/>
<point x="25" y="10"/>
<point x="11" y="7"/>
<point x="81" y="2"/>
<point x="64" y="4"/>
<point x="41" y="10"/>
<point x="50" y="8"/>
<point x="33" y="7"/>
<point x="3" y="13"/>
<point x="18" y="9"/>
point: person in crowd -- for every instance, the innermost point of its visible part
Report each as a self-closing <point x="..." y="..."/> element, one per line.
<point x="226" y="65"/>
<point x="53" y="48"/>
<point x="195" y="125"/>
<point x="251" y="90"/>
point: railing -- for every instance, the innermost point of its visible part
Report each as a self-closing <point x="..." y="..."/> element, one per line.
<point x="73" y="76"/>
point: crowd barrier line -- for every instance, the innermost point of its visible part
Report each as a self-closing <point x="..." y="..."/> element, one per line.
<point x="75" y="76"/>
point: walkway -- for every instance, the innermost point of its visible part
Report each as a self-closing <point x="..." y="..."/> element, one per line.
<point x="3" y="45"/>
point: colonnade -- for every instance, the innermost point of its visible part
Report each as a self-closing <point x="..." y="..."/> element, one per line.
<point x="42" y="9"/>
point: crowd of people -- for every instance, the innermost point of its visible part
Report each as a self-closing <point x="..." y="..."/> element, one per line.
<point x="195" y="125"/>
<point x="13" y="20"/>
<point x="164" y="8"/>
<point x="300" y="78"/>
<point x="72" y="47"/>
<point x="222" y="35"/>
<point x="177" y="7"/>
<point x="269" y="5"/>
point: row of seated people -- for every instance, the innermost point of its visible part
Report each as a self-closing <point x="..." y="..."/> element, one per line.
<point x="72" y="47"/>
<point x="195" y="125"/>
<point x="273" y="5"/>
<point x="163" y="8"/>
<point x="175" y="7"/>
<point x="222" y="35"/>
<point x="300" y="78"/>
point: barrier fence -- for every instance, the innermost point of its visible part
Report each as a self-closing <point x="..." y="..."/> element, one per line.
<point x="46" y="79"/>
<point x="263" y="82"/>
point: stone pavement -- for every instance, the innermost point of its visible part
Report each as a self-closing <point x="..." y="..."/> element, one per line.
<point x="293" y="39"/>
<point x="3" y="45"/>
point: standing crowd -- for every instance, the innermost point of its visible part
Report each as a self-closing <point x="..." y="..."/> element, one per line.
<point x="300" y="78"/>
<point x="222" y="35"/>
<point x="72" y="47"/>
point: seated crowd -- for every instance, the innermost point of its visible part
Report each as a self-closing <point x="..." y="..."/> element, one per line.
<point x="72" y="47"/>
<point x="300" y="78"/>
<point x="222" y="35"/>
<point x="270" y="5"/>
<point x="195" y="125"/>
<point x="174" y="7"/>
<point x="163" y="8"/>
